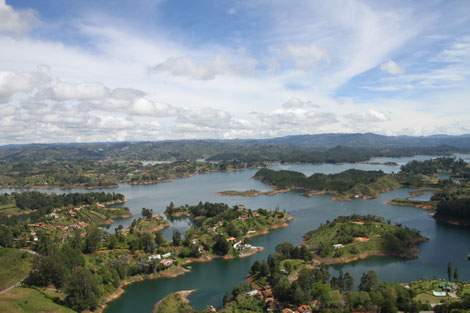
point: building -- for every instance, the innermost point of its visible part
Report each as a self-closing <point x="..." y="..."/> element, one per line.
<point x="241" y="245"/>
<point x="166" y="262"/>
<point x="166" y="255"/>
<point x="155" y="257"/>
<point x="304" y="309"/>
<point x="337" y="246"/>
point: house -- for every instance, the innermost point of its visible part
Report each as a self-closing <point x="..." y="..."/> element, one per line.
<point x="241" y="245"/>
<point x="166" y="255"/>
<point x="337" y="246"/>
<point x="255" y="214"/>
<point x="251" y="232"/>
<point x="304" y="309"/>
<point x="195" y="236"/>
<point x="157" y="216"/>
<point x="287" y="311"/>
<point x="219" y="224"/>
<point x="244" y="217"/>
<point x="166" y="262"/>
<point x="155" y="257"/>
<point x="53" y="215"/>
<point x="253" y="292"/>
<point x="231" y="239"/>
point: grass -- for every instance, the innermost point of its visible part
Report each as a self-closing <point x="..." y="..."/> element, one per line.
<point x="16" y="265"/>
<point x="27" y="300"/>
<point x="174" y="303"/>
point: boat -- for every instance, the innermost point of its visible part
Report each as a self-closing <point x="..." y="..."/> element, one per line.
<point x="468" y="257"/>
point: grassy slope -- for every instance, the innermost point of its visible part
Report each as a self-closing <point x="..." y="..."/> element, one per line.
<point x="372" y="233"/>
<point x="29" y="300"/>
<point x="174" y="303"/>
<point x="15" y="266"/>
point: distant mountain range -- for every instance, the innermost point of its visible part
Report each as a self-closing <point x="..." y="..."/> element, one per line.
<point x="369" y="140"/>
<point x="229" y="149"/>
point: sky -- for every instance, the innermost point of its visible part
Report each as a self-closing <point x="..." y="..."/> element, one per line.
<point x="134" y="70"/>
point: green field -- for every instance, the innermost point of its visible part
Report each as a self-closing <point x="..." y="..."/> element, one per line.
<point x="16" y="265"/>
<point x="29" y="300"/>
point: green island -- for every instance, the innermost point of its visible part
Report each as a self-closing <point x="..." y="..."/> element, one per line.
<point x="296" y="279"/>
<point x="82" y="267"/>
<point x="354" y="183"/>
<point x="349" y="238"/>
<point x="174" y="303"/>
<point x="344" y="185"/>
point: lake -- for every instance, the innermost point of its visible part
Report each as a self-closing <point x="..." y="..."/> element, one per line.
<point x="213" y="279"/>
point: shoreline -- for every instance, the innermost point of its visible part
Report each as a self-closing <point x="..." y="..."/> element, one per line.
<point x="450" y="220"/>
<point x="183" y="295"/>
<point x="181" y="271"/>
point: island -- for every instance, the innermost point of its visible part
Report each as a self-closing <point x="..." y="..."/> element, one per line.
<point x="349" y="238"/>
<point x="344" y="185"/>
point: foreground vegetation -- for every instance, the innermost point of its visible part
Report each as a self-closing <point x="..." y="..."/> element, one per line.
<point x="87" y="265"/>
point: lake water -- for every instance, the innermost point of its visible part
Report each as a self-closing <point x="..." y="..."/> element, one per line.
<point x="213" y="279"/>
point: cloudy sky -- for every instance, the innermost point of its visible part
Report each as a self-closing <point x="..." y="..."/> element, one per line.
<point x="108" y="70"/>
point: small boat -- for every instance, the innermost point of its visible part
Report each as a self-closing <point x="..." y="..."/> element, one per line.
<point x="468" y="257"/>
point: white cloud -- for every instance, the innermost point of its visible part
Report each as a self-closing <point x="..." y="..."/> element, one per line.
<point x="306" y="57"/>
<point x="188" y="67"/>
<point x="82" y="91"/>
<point x="12" y="82"/>
<point x="297" y="103"/>
<point x="15" y="22"/>
<point x="370" y="116"/>
<point x="391" y="67"/>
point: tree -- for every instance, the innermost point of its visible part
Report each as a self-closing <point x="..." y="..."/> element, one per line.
<point x="147" y="213"/>
<point x="456" y="274"/>
<point x="6" y="237"/>
<point x="82" y="290"/>
<point x="226" y="298"/>
<point x="348" y="282"/>
<point x="220" y="246"/>
<point x="176" y="237"/>
<point x="159" y="238"/>
<point x="449" y="271"/>
<point x="255" y="268"/>
<point x="92" y="240"/>
<point x="368" y="281"/>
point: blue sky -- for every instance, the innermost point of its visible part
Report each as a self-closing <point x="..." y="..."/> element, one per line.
<point x="80" y="71"/>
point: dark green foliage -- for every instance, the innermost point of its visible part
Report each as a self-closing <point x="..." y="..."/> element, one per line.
<point x="368" y="281"/>
<point x="93" y="239"/>
<point x="340" y="182"/>
<point x="455" y="208"/>
<point x="82" y="290"/>
<point x="35" y="200"/>
<point x="221" y="246"/>
<point x="147" y="213"/>
<point x="176" y="237"/>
